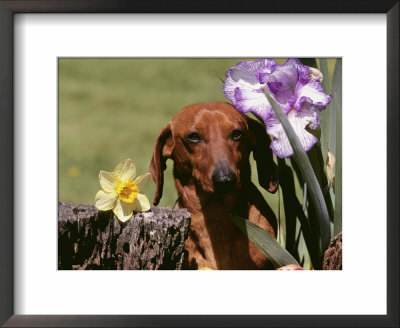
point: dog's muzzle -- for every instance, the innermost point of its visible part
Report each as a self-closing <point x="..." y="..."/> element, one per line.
<point x="224" y="179"/>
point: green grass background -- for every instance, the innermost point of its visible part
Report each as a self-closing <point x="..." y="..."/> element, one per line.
<point x="113" y="109"/>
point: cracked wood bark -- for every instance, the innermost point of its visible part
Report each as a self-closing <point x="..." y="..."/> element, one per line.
<point x="96" y="240"/>
<point x="333" y="255"/>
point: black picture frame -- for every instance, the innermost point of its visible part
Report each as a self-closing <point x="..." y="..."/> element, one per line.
<point x="11" y="7"/>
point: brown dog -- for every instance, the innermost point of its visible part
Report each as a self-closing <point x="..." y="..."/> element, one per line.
<point x="210" y="144"/>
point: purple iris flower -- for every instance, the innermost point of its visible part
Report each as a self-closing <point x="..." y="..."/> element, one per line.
<point x="295" y="87"/>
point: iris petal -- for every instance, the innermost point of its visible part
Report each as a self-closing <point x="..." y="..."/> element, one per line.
<point x="315" y="93"/>
<point x="299" y="123"/>
<point x="282" y="82"/>
<point x="280" y="144"/>
<point x="309" y="113"/>
<point x="315" y="74"/>
<point x="246" y="70"/>
<point x="230" y="86"/>
<point x="302" y="70"/>
<point x="244" y="76"/>
<point x="296" y="88"/>
<point x="253" y="101"/>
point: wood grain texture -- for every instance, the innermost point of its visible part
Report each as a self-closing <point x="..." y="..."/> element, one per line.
<point x="89" y="239"/>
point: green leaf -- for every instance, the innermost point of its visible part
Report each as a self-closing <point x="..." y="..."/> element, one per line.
<point x="325" y="115"/>
<point x="332" y="128"/>
<point x="318" y="164"/>
<point x="303" y="162"/>
<point x="293" y="208"/>
<point x="286" y="182"/>
<point x="309" y="62"/>
<point x="267" y="244"/>
<point x="323" y="65"/>
<point x="337" y="95"/>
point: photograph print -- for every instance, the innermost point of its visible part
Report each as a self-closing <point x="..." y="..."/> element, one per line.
<point x="199" y="164"/>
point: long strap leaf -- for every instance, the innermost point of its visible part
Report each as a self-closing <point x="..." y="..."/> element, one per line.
<point x="325" y="115"/>
<point x="264" y="241"/>
<point x="293" y="207"/>
<point x="286" y="182"/>
<point x="337" y="94"/>
<point x="307" y="172"/>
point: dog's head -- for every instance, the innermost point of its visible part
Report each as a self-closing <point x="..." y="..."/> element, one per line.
<point x="210" y="145"/>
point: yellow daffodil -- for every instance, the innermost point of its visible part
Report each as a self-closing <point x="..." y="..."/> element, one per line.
<point x="121" y="193"/>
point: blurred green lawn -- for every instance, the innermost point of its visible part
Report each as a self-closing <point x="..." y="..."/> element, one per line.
<point x="114" y="109"/>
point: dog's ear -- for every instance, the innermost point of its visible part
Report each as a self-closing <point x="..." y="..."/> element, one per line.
<point x="162" y="151"/>
<point x="266" y="167"/>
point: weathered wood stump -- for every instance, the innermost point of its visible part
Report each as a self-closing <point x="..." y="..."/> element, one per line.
<point x="92" y="239"/>
<point x="333" y="255"/>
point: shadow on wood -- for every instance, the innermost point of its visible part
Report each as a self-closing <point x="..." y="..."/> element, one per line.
<point x="96" y="240"/>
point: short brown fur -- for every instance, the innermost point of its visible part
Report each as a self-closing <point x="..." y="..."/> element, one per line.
<point x="213" y="240"/>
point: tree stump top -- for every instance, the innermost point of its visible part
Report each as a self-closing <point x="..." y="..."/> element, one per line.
<point x="92" y="239"/>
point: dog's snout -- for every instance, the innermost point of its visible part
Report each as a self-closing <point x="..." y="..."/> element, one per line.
<point x="223" y="177"/>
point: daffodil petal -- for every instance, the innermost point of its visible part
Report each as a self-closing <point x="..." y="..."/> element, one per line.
<point x="123" y="210"/>
<point x="142" y="180"/>
<point x="105" y="201"/>
<point x="108" y="181"/>
<point x="126" y="169"/>
<point x="141" y="202"/>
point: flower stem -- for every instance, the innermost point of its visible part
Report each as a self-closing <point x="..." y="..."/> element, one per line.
<point x="303" y="162"/>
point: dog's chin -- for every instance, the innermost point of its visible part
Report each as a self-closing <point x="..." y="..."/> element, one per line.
<point x="225" y="190"/>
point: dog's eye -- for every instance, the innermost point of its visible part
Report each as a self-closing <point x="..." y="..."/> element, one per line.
<point x="236" y="134"/>
<point x="194" y="137"/>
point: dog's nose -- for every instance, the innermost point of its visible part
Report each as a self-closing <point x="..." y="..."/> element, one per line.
<point x="224" y="179"/>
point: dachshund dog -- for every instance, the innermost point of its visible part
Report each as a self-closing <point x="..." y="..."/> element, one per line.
<point x="210" y="144"/>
